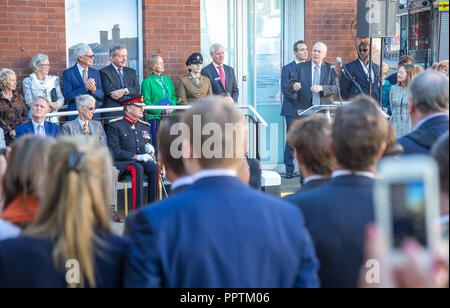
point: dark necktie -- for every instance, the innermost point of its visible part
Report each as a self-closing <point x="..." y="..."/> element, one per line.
<point x="122" y="80"/>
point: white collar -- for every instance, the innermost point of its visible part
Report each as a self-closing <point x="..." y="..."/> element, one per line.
<point x="116" y="67"/>
<point x="314" y="178"/>
<point x="82" y="122"/>
<point x="339" y="173"/>
<point x="35" y="124"/>
<point x="183" y="181"/>
<point x="81" y="69"/>
<point x="208" y="173"/>
<point x="434" y="115"/>
<point x="217" y="65"/>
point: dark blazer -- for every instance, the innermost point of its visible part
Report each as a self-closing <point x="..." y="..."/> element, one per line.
<point x="219" y="233"/>
<point x="111" y="82"/>
<point x="73" y="84"/>
<point x="355" y="69"/>
<point x="303" y="74"/>
<point x="336" y="215"/>
<point x="311" y="185"/>
<point x="217" y="86"/>
<point x="28" y="263"/>
<point x="435" y="127"/>
<point x="288" y="108"/>
<point x="51" y="130"/>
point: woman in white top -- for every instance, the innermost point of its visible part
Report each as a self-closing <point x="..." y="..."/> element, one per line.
<point x="40" y="83"/>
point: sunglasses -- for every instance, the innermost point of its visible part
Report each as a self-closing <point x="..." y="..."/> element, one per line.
<point x="90" y="109"/>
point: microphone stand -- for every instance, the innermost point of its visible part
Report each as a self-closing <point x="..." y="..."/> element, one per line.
<point x="337" y="83"/>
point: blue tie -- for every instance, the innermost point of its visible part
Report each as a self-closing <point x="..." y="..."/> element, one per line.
<point x="122" y="80"/>
<point x="316" y="96"/>
<point x="40" y="131"/>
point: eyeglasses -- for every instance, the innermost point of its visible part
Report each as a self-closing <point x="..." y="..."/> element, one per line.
<point x="90" y="56"/>
<point x="90" y="109"/>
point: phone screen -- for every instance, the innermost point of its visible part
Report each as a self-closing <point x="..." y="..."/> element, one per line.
<point x="408" y="212"/>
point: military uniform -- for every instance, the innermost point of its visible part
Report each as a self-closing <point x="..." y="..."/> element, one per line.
<point x="192" y="88"/>
<point x="126" y="139"/>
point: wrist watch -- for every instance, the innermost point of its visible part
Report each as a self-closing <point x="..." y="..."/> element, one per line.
<point x="126" y="91"/>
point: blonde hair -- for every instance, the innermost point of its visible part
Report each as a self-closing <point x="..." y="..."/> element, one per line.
<point x="442" y="64"/>
<point x="152" y="63"/>
<point x="417" y="69"/>
<point x="74" y="206"/>
<point x="385" y="69"/>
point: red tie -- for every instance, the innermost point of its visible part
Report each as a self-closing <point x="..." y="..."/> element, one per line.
<point x="222" y="77"/>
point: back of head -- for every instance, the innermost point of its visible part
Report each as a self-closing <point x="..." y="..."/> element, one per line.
<point x="165" y="141"/>
<point x="440" y="152"/>
<point x="405" y="59"/>
<point x="73" y="208"/>
<point x="216" y="133"/>
<point x="27" y="164"/>
<point x="311" y="138"/>
<point x="429" y="91"/>
<point x="359" y="133"/>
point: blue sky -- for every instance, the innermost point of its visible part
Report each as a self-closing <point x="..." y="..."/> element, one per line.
<point x="85" y="18"/>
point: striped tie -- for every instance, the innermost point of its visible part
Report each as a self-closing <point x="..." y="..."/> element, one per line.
<point x="85" y="128"/>
<point x="85" y="78"/>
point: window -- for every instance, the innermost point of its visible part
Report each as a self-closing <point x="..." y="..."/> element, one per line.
<point x="102" y="24"/>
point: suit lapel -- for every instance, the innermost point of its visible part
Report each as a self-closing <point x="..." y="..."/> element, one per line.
<point x="77" y="74"/>
<point x="309" y="75"/>
<point x="324" y="74"/>
<point x="216" y="77"/>
<point x="193" y="81"/>
<point x="114" y="73"/>
<point x="362" y="73"/>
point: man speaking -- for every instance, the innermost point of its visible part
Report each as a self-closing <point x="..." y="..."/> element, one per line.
<point x="315" y="80"/>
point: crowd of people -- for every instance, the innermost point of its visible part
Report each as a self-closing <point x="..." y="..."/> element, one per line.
<point x="214" y="229"/>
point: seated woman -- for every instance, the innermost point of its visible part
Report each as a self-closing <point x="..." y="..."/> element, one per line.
<point x="13" y="110"/>
<point x="40" y="83"/>
<point x="70" y="243"/>
<point x="26" y="170"/>
<point x="193" y="86"/>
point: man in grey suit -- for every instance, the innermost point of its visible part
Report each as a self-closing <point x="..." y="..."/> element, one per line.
<point x="315" y="80"/>
<point x="83" y="124"/>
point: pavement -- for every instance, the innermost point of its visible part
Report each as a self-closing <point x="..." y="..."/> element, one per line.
<point x="287" y="187"/>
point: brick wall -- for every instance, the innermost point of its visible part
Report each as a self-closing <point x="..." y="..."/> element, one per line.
<point x="31" y="27"/>
<point x="329" y="22"/>
<point x="172" y="30"/>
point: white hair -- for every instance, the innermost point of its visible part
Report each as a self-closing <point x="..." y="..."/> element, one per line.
<point x="36" y="61"/>
<point x="83" y="100"/>
<point x="321" y="45"/>
<point x="214" y="47"/>
<point x="81" y="50"/>
<point x="4" y="76"/>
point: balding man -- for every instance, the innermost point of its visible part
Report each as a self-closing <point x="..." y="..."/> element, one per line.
<point x="315" y="80"/>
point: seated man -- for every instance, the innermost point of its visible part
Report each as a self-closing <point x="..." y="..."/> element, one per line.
<point x="83" y="124"/>
<point x="337" y="213"/>
<point x="38" y="126"/>
<point x="218" y="233"/>
<point x="129" y="140"/>
<point x="311" y="137"/>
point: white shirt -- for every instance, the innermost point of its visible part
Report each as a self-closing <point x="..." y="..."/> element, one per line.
<point x="81" y="70"/>
<point x="35" y="126"/>
<point x="314" y="178"/>
<point x="183" y="181"/>
<point x="421" y="122"/>
<point x="82" y="124"/>
<point x="218" y="71"/>
<point x="339" y="173"/>
<point x="209" y="173"/>
<point x="366" y="71"/>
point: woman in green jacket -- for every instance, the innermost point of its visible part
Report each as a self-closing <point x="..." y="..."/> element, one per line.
<point x="157" y="89"/>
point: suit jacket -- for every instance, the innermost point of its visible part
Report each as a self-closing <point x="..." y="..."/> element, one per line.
<point x="111" y="82"/>
<point x="217" y="86"/>
<point x="73" y="84"/>
<point x="28" y="263"/>
<point x="73" y="128"/>
<point x="288" y="108"/>
<point x="311" y="185"/>
<point x="437" y="127"/>
<point x="189" y="91"/>
<point x="303" y="74"/>
<point x="51" y="130"/>
<point x="220" y="233"/>
<point x="336" y="215"/>
<point x="355" y="69"/>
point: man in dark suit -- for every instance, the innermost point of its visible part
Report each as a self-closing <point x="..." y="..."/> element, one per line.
<point x="337" y="213"/>
<point x="82" y="79"/>
<point x="219" y="233"/>
<point x="311" y="137"/>
<point x="38" y="126"/>
<point x="359" y="70"/>
<point x="223" y="79"/>
<point x="289" y="110"/>
<point x="428" y="108"/>
<point x="315" y="80"/>
<point x="120" y="83"/>
<point x="130" y="142"/>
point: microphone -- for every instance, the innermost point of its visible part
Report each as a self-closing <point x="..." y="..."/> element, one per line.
<point x="339" y="61"/>
<point x="333" y="68"/>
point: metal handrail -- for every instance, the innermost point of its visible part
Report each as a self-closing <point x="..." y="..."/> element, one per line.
<point x="118" y="109"/>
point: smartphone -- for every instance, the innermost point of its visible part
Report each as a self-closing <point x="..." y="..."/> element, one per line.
<point x="407" y="203"/>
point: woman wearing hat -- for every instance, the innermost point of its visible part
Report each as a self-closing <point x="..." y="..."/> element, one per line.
<point x="193" y="86"/>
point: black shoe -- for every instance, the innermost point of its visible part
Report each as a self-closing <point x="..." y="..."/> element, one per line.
<point x="289" y="176"/>
<point x="116" y="217"/>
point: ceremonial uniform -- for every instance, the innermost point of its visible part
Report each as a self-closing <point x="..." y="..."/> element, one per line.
<point x="126" y="139"/>
<point x="192" y="88"/>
